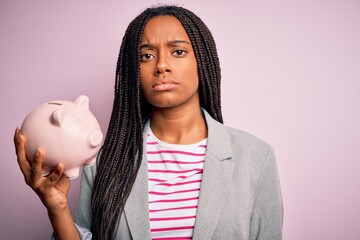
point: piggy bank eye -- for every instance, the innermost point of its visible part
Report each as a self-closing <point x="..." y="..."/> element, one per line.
<point x="83" y="118"/>
<point x="79" y="120"/>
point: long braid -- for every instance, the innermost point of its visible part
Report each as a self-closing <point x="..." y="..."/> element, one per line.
<point x="121" y="154"/>
<point x="207" y="60"/>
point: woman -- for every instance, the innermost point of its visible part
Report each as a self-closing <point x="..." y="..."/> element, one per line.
<point x="168" y="168"/>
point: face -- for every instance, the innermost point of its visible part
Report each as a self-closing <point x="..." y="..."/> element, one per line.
<point x="168" y="68"/>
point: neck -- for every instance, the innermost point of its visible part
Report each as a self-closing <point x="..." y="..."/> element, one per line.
<point x="178" y="126"/>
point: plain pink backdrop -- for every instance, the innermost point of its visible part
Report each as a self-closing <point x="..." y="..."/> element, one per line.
<point x="291" y="75"/>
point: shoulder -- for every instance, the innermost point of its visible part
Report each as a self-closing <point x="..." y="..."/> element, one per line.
<point x="249" y="149"/>
<point x="227" y="141"/>
<point x="246" y="141"/>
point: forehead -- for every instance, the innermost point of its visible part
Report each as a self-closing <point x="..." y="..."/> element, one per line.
<point x="164" y="28"/>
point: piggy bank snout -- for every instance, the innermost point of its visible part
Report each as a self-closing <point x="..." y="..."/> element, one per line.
<point x="95" y="138"/>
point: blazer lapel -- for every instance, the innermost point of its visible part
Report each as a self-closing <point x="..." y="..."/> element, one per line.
<point x="217" y="175"/>
<point x="137" y="205"/>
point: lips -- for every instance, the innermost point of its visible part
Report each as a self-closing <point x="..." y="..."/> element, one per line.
<point x="164" y="85"/>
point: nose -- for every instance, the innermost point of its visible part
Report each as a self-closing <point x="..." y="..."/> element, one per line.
<point x="162" y="66"/>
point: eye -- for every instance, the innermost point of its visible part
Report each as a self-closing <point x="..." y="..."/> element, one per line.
<point x="179" y="52"/>
<point x="146" y="57"/>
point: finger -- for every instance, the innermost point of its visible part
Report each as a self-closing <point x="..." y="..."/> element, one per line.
<point x="63" y="185"/>
<point x="55" y="175"/>
<point x="37" y="165"/>
<point x="19" y="141"/>
<point x="35" y="178"/>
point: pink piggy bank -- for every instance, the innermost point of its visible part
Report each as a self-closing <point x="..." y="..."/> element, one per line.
<point x="67" y="132"/>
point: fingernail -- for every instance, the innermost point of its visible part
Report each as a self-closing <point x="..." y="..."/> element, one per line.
<point x="38" y="152"/>
<point x="58" y="171"/>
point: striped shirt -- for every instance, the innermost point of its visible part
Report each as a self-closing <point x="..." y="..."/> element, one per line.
<point x="174" y="174"/>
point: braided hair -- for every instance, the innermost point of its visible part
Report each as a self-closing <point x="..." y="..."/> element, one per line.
<point x="121" y="154"/>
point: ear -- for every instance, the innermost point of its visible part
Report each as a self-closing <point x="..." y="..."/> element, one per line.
<point x="58" y="117"/>
<point x="82" y="101"/>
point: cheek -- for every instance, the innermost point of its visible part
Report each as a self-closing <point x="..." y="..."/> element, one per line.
<point x="192" y="67"/>
<point x="141" y="81"/>
<point x="192" y="73"/>
<point x="144" y="82"/>
<point x="144" y="76"/>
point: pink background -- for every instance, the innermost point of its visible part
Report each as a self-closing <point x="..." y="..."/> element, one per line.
<point x="291" y="75"/>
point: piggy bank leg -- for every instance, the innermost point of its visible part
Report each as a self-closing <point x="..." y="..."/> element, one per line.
<point x="72" y="173"/>
<point x="90" y="162"/>
<point x="45" y="171"/>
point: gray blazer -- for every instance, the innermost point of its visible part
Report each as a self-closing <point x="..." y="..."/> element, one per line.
<point x="240" y="195"/>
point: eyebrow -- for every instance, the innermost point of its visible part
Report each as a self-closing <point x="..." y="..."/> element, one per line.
<point x="170" y="43"/>
<point x="177" y="42"/>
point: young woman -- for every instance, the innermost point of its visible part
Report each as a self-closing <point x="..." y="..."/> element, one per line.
<point x="169" y="168"/>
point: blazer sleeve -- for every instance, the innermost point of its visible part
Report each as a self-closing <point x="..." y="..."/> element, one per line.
<point x="83" y="215"/>
<point x="267" y="213"/>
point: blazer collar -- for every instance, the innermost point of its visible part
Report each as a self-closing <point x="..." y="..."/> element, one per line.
<point x="215" y="184"/>
<point x="137" y="205"/>
<point x="216" y="179"/>
<point x="218" y="143"/>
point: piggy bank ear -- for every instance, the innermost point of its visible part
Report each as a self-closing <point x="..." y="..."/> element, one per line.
<point x="58" y="117"/>
<point x="82" y="101"/>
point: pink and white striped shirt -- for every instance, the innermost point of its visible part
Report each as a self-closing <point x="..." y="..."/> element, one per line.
<point x="174" y="174"/>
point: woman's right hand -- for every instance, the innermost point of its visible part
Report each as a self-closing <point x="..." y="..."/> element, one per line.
<point x="51" y="189"/>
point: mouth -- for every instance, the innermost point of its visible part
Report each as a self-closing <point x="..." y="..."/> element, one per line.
<point x="164" y="85"/>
